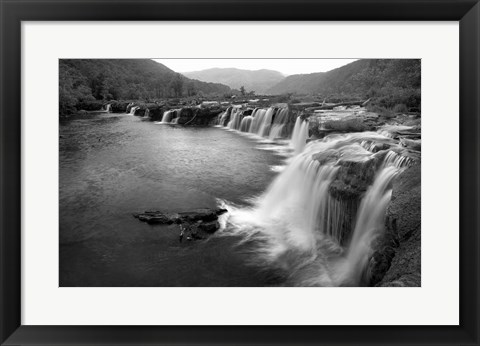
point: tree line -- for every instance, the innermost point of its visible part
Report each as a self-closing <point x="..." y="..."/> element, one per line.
<point x="82" y="81"/>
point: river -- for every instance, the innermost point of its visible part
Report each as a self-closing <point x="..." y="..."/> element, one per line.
<point x="112" y="165"/>
<point x="298" y="214"/>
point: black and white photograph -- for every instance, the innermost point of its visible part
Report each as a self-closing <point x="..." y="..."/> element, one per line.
<point x="240" y="172"/>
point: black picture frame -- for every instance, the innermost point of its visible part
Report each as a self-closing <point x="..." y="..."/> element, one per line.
<point x="467" y="12"/>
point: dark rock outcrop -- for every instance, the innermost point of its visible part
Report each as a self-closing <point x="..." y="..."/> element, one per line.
<point x="347" y="189"/>
<point x="196" y="116"/>
<point x="196" y="215"/>
<point x="200" y="230"/>
<point x="197" y="224"/>
<point x="397" y="260"/>
<point x="153" y="110"/>
<point x="209" y="227"/>
<point x="119" y="106"/>
<point x="411" y="144"/>
<point x="354" y="176"/>
<point x="156" y="111"/>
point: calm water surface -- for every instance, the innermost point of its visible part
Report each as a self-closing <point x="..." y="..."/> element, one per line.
<point x="112" y="165"/>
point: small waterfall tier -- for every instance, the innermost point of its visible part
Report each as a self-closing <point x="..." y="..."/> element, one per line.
<point x="273" y="123"/>
<point x="171" y="116"/>
<point x="299" y="135"/>
<point x="133" y="110"/>
<point x="236" y="116"/>
<point x="129" y="107"/>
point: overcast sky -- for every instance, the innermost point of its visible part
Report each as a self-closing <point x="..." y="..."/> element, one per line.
<point x="285" y="66"/>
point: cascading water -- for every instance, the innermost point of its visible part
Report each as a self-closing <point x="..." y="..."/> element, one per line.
<point x="168" y="116"/>
<point x="396" y="160"/>
<point x="299" y="135"/>
<point x="258" y="115"/>
<point x="279" y="121"/>
<point x="299" y="226"/>
<point x="266" y="123"/>
<point x="370" y="146"/>
<point x="246" y="123"/>
<point x="133" y="110"/>
<point x="129" y="107"/>
<point x="235" y="119"/>
<point x="224" y="117"/>
<point x="107" y="107"/>
<point x="370" y="224"/>
<point x="269" y="123"/>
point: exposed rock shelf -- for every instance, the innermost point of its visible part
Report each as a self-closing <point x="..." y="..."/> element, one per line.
<point x="397" y="260"/>
<point x="199" y="223"/>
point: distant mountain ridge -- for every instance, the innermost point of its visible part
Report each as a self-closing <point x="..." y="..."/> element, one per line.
<point x="361" y="78"/>
<point x="253" y="80"/>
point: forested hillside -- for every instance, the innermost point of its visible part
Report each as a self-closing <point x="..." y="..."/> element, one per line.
<point x="86" y="80"/>
<point x="258" y="81"/>
<point x="389" y="82"/>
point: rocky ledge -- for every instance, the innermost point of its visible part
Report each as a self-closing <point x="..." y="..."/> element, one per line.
<point x="197" y="223"/>
<point x="397" y="260"/>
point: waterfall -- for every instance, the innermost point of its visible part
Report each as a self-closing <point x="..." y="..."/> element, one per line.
<point x="147" y="113"/>
<point x="107" y="107"/>
<point x="279" y="121"/>
<point x="299" y="135"/>
<point x="393" y="159"/>
<point x="276" y="132"/>
<point x="257" y="115"/>
<point x="266" y="122"/>
<point x="133" y="110"/>
<point x="338" y="217"/>
<point x="168" y="115"/>
<point x="225" y="117"/>
<point x="297" y="224"/>
<point x="370" y="223"/>
<point x="370" y="146"/>
<point x="269" y="123"/>
<point x="246" y="123"/>
<point x="222" y="118"/>
<point x="235" y="119"/>
<point x="301" y="193"/>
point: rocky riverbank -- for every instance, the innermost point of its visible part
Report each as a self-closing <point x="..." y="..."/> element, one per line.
<point x="397" y="260"/>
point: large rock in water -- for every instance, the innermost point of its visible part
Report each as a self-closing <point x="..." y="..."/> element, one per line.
<point x="197" y="224"/>
<point x="397" y="260"/>
<point x="196" y="215"/>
